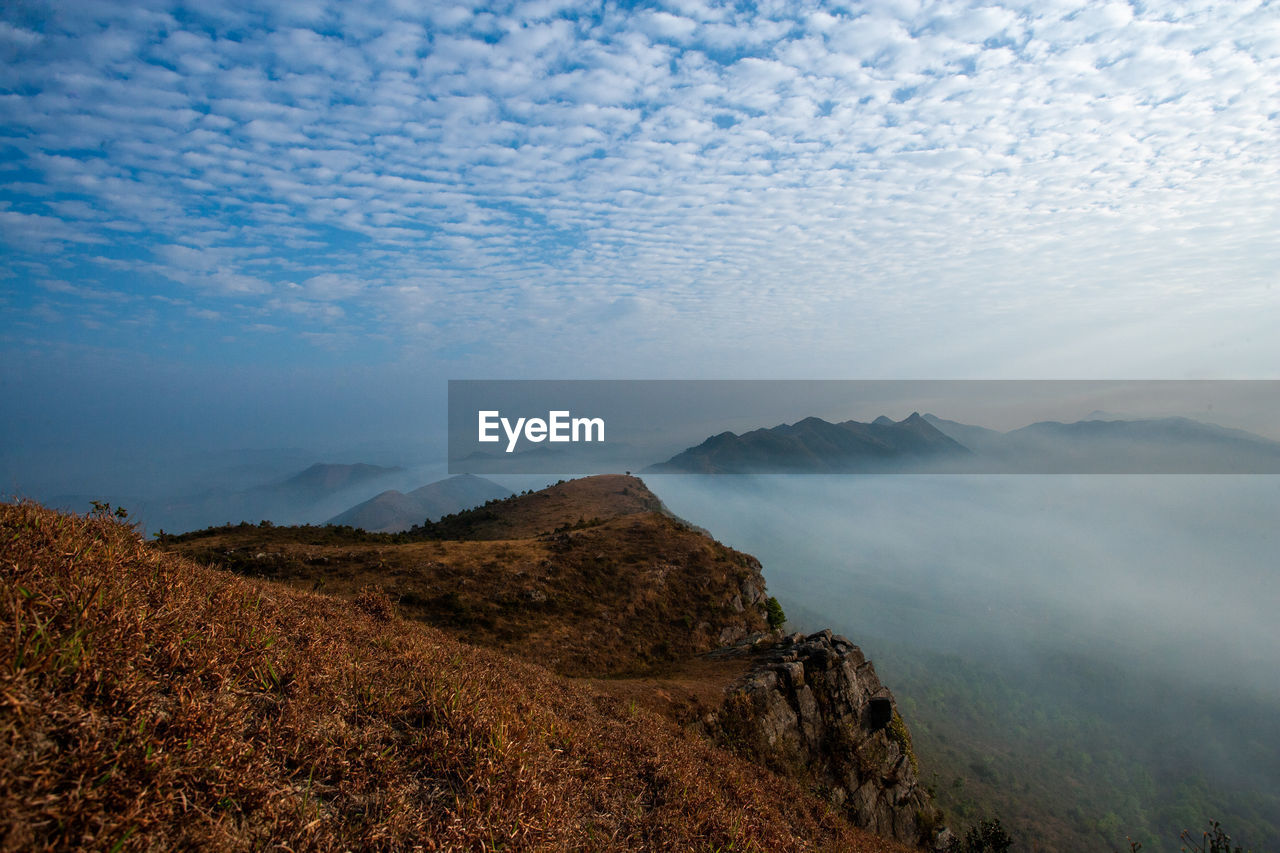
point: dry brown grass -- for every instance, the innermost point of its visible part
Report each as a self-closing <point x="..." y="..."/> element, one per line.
<point x="147" y="702"/>
<point x="567" y="503"/>
<point x="622" y="595"/>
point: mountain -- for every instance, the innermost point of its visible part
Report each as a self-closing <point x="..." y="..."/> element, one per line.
<point x="817" y="446"/>
<point x="1150" y="445"/>
<point x="587" y="576"/>
<point x="571" y="503"/>
<point x="1149" y="429"/>
<point x="306" y="496"/>
<point x="930" y="444"/>
<point x="322" y="479"/>
<point x="976" y="438"/>
<point x="595" y="579"/>
<point x="156" y="703"/>
<point x="393" y="511"/>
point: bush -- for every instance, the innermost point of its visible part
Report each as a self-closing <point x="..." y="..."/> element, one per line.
<point x="773" y="612"/>
<point x="376" y="603"/>
<point x="987" y="837"/>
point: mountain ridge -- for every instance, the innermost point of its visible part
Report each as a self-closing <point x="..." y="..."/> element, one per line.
<point x="589" y="576"/>
<point x="813" y="445"/>
<point x="170" y="705"/>
<point x="930" y="444"/>
<point x="595" y="578"/>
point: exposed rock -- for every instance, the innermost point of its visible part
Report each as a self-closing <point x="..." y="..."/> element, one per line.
<point x="752" y="589"/>
<point x="813" y="708"/>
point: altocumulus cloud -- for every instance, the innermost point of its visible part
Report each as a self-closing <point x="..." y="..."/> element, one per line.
<point x="685" y="175"/>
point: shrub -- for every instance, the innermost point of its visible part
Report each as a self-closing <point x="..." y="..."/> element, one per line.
<point x="375" y="603"/>
<point x="901" y="735"/>
<point x="773" y="612"/>
<point x="987" y="837"/>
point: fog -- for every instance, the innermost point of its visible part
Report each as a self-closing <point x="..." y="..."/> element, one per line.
<point x="1149" y="602"/>
<point x="176" y="492"/>
<point x="157" y="428"/>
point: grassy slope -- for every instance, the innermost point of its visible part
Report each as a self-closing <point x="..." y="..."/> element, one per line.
<point x="149" y="702"/>
<point x="566" y="503"/>
<point x="629" y="589"/>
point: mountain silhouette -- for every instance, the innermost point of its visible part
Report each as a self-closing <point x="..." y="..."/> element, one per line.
<point x="393" y="511"/>
<point x="817" y="446"/>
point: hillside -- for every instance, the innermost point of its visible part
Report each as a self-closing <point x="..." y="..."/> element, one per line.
<point x="565" y="504"/>
<point x="153" y="703"/>
<point x="594" y="578"/>
<point x="588" y="577"/>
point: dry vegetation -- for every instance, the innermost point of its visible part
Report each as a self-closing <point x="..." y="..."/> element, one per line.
<point x="152" y="703"/>
<point x="628" y="589"/>
<point x="567" y="503"/>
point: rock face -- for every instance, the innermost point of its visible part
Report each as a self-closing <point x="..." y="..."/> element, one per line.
<point x="750" y="599"/>
<point x="813" y="708"/>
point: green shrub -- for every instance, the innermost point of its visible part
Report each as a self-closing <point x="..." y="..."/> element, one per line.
<point x="987" y="837"/>
<point x="773" y="612"/>
<point x="900" y="735"/>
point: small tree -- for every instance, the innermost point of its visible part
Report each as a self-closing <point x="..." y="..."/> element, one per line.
<point x="773" y="613"/>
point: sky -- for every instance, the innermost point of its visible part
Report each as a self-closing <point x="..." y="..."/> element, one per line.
<point x="235" y="223"/>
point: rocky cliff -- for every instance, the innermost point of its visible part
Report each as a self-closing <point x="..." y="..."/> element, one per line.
<point x="813" y="708"/>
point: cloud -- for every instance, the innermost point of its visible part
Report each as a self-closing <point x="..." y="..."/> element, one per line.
<point x="81" y="291"/>
<point x="664" y="25"/>
<point x="213" y="270"/>
<point x="331" y="286"/>
<point x="17" y="37"/>
<point x="26" y="231"/>
<point x="899" y="166"/>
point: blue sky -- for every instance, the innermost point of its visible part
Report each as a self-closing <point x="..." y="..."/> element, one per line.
<point x="353" y="202"/>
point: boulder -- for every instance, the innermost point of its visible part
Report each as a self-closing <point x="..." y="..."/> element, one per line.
<point x="812" y="707"/>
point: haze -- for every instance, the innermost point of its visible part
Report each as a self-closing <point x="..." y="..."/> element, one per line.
<point x="1139" y="609"/>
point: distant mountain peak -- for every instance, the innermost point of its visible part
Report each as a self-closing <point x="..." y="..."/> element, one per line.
<point x="325" y="475"/>
<point x="393" y="511"/>
<point x="817" y="446"/>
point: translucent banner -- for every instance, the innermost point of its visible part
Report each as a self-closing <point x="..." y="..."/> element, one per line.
<point x="864" y="426"/>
